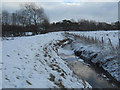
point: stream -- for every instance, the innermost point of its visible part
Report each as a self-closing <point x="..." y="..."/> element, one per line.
<point x="84" y="70"/>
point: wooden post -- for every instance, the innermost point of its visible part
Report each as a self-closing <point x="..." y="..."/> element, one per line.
<point x="102" y="40"/>
<point x="111" y="43"/>
<point x="119" y="42"/>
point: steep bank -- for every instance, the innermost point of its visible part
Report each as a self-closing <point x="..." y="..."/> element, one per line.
<point x="33" y="62"/>
<point x="96" y="55"/>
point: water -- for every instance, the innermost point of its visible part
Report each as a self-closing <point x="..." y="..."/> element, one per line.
<point x="86" y="71"/>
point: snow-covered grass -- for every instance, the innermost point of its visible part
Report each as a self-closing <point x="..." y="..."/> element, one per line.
<point x="105" y="37"/>
<point x="33" y="62"/>
<point x="104" y="44"/>
<point x="0" y="63"/>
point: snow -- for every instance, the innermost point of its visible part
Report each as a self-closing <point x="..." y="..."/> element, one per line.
<point x="81" y="60"/>
<point x="107" y="54"/>
<point x="33" y="62"/>
<point x="66" y="52"/>
<point x="112" y="35"/>
<point x="28" y="33"/>
<point x="0" y="63"/>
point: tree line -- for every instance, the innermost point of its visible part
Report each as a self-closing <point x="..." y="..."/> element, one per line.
<point x="84" y="25"/>
<point x="32" y="18"/>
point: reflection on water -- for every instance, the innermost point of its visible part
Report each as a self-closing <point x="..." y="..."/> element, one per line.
<point x="85" y="71"/>
<point x="90" y="75"/>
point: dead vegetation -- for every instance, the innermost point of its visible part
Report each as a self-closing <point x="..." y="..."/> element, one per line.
<point x="28" y="82"/>
<point x="58" y="83"/>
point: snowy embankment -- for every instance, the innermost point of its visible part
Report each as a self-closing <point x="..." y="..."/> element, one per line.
<point x="98" y="47"/>
<point x="33" y="62"/>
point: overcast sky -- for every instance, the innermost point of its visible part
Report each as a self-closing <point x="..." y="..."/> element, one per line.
<point x="73" y="9"/>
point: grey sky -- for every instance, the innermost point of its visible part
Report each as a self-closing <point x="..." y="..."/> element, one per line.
<point x="57" y="11"/>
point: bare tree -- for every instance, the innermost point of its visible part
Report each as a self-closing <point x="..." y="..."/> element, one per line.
<point x="45" y="24"/>
<point x="22" y="17"/>
<point x="5" y="16"/>
<point x="14" y="18"/>
<point x="35" y="15"/>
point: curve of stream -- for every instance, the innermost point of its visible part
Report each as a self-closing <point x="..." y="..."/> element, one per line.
<point x="84" y="70"/>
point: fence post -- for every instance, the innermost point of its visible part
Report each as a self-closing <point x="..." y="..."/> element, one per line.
<point x="102" y="40"/>
<point x="110" y="43"/>
<point x="119" y="42"/>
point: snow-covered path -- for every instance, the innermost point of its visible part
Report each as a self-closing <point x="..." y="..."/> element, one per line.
<point x="33" y="62"/>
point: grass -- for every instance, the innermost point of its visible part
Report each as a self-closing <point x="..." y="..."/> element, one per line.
<point x="59" y="83"/>
<point x="93" y="40"/>
<point x="52" y="77"/>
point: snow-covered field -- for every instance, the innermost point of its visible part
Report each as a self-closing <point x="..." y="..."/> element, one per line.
<point x="0" y="62"/>
<point x="33" y="62"/>
<point x="101" y="47"/>
<point x="106" y="36"/>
